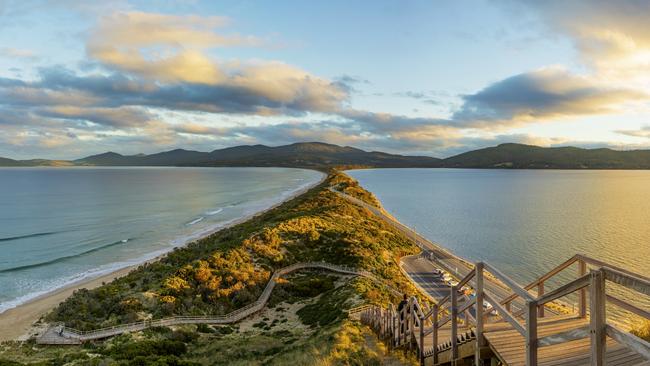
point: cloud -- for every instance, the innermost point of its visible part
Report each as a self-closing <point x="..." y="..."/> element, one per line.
<point x="612" y="37"/>
<point x="141" y="65"/>
<point x="423" y="96"/>
<point x="161" y="47"/>
<point x="641" y="132"/>
<point x="112" y="117"/>
<point x="540" y="96"/>
<point x="18" y="53"/>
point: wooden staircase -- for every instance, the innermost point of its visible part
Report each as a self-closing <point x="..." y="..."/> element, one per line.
<point x="520" y="337"/>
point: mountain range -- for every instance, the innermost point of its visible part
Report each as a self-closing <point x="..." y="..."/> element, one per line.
<point x="318" y="155"/>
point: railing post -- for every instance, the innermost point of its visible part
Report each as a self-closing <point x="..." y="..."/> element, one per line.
<point x="478" y="287"/>
<point x="411" y="316"/>
<point x="394" y="324"/>
<point x="582" y="298"/>
<point x="454" y="324"/>
<point x="540" y="292"/>
<point x="421" y="348"/>
<point x="434" y="333"/>
<point x="531" y="333"/>
<point x="597" y="321"/>
<point x="402" y="326"/>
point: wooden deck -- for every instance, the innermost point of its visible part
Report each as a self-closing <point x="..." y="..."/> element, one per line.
<point x="528" y="338"/>
<point x="509" y="346"/>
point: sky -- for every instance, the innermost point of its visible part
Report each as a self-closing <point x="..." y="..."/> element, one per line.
<point x="411" y="77"/>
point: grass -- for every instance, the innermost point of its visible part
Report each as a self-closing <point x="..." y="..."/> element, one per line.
<point x="305" y="322"/>
<point x="642" y="330"/>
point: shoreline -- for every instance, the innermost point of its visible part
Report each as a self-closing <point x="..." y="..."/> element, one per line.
<point x="17" y="323"/>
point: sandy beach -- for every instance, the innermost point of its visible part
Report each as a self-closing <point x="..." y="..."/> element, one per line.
<point x="17" y="323"/>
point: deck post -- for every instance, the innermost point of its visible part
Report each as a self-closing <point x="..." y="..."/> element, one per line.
<point x="434" y="334"/>
<point x="400" y="326"/>
<point x="478" y="288"/>
<point x="411" y="316"/>
<point x="540" y="292"/>
<point x="395" y="324"/>
<point x="421" y="348"/>
<point x="582" y="298"/>
<point x="454" y="323"/>
<point x="531" y="333"/>
<point x="597" y="317"/>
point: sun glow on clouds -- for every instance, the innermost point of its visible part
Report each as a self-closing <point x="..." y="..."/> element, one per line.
<point x="155" y="81"/>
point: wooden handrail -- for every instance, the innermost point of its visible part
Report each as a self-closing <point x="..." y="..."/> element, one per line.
<point x="466" y="306"/>
<point x="412" y="326"/>
<point x="514" y="286"/>
<point x="627" y="306"/>
<point x="598" y="263"/>
<point x="544" y="277"/>
<point x="506" y="315"/>
<point x="631" y="281"/>
<point x="231" y="317"/>
<point x="466" y="279"/>
<point x="639" y="345"/>
<point x="564" y="290"/>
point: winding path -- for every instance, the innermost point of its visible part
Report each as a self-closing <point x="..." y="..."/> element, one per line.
<point x="59" y="334"/>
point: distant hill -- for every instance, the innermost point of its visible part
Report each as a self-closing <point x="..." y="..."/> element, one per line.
<point x="34" y="162"/>
<point x="9" y="162"/>
<point x="518" y="156"/>
<point x="304" y="155"/>
<point x="318" y="155"/>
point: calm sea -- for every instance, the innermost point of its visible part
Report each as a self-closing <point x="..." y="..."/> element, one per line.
<point x="60" y="225"/>
<point x="524" y="221"/>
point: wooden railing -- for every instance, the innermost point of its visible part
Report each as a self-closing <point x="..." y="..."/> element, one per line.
<point x="399" y="328"/>
<point x="58" y="333"/>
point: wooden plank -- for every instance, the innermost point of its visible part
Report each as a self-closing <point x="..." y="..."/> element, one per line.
<point x="639" y="345"/>
<point x="597" y="318"/>
<point x="632" y="282"/>
<point x="505" y="315"/>
<point x="567" y="336"/>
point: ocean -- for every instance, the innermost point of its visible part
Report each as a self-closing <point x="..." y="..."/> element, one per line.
<point x="63" y="225"/>
<point x="525" y="222"/>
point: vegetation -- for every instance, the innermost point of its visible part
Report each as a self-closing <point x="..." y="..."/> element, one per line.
<point x="305" y="321"/>
<point x="642" y="330"/>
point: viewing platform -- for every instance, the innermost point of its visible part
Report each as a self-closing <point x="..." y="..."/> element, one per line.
<point x="520" y="336"/>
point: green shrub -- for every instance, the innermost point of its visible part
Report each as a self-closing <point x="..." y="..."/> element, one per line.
<point x="147" y="348"/>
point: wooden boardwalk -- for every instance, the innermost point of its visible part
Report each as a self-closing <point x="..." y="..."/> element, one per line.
<point x="529" y="332"/>
<point x="59" y="334"/>
<point x="509" y="345"/>
<point x="521" y="338"/>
